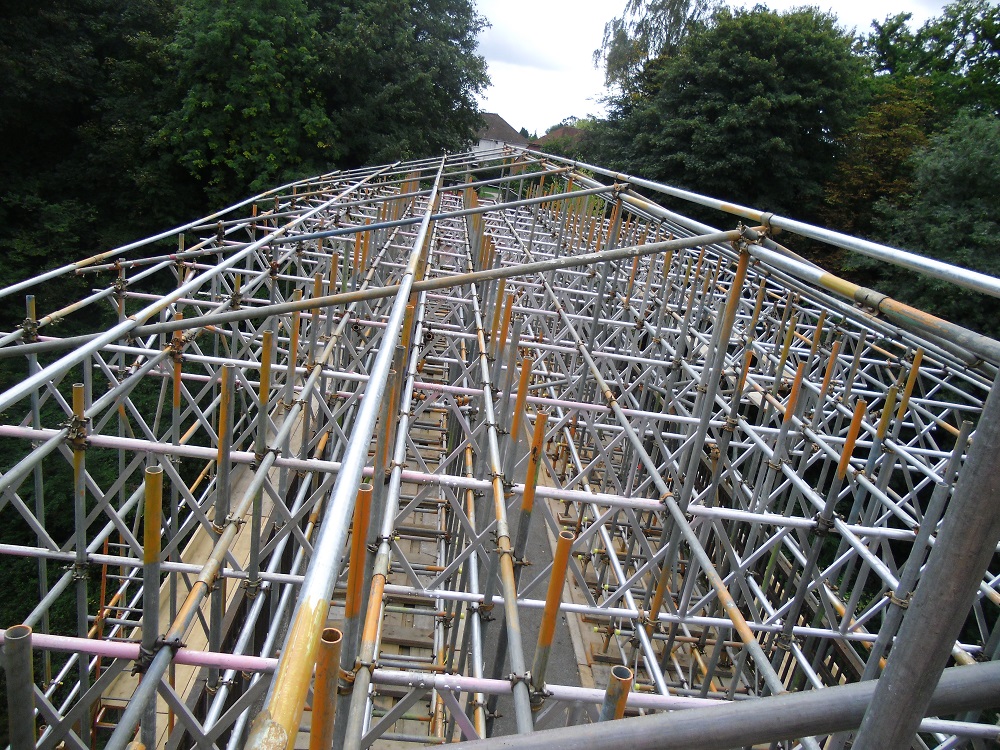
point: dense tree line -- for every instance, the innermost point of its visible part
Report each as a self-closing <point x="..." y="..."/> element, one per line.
<point x="119" y="117"/>
<point x="893" y="135"/>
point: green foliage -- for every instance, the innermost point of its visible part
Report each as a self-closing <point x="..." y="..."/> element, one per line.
<point x="920" y="80"/>
<point x="140" y="187"/>
<point x="47" y="69"/>
<point x="608" y="142"/>
<point x="875" y="165"/>
<point x="48" y="72"/>
<point x="76" y="84"/>
<point x="400" y="78"/>
<point x="122" y="117"/>
<point x="271" y="89"/>
<point x="749" y="109"/>
<point x="565" y="138"/>
<point x="958" y="53"/>
<point x="568" y="122"/>
<point x="949" y="215"/>
<point x="645" y="29"/>
<point x="567" y="146"/>
<point x="248" y="111"/>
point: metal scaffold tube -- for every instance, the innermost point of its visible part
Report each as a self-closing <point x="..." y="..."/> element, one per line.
<point x="20" y="673"/>
<point x="950" y="581"/>
<point x="286" y="696"/>
<point x="491" y="447"/>
<point x="786" y="716"/>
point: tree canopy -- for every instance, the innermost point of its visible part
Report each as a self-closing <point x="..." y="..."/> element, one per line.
<point x="79" y="86"/>
<point x="400" y="77"/>
<point x="748" y="108"/>
<point x="270" y="88"/>
<point x="247" y="109"/>
<point x="890" y="135"/>
<point x="919" y="81"/>
<point x="950" y="213"/>
<point x="875" y="163"/>
<point x="646" y="29"/>
<point x="123" y="116"/>
<point x="957" y="52"/>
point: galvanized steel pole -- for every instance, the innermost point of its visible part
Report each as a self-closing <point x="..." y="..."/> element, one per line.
<point x="752" y="722"/>
<point x="953" y="574"/>
<point x="20" y="687"/>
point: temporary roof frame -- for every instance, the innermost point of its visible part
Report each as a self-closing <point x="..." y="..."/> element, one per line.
<point x="403" y="425"/>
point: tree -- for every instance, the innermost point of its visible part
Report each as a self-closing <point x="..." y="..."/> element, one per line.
<point x="48" y="73"/>
<point x="645" y="29"/>
<point x="950" y="215"/>
<point x="958" y="53"/>
<point x="920" y="80"/>
<point x="572" y="121"/>
<point x="749" y="109"/>
<point x="77" y="79"/>
<point x="139" y="182"/>
<point x="400" y="78"/>
<point x="876" y="163"/>
<point x="249" y="111"/>
<point x="123" y="116"/>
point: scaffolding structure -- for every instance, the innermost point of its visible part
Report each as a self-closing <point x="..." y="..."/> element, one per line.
<point x="491" y="444"/>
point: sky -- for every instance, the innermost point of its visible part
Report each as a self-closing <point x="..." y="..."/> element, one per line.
<point x="540" y="61"/>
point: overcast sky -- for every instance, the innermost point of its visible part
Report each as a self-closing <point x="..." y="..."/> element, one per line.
<point x="540" y="51"/>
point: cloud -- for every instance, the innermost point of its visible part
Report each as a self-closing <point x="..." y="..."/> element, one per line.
<point x="498" y="45"/>
<point x="540" y="99"/>
<point x="539" y="56"/>
<point x="544" y="34"/>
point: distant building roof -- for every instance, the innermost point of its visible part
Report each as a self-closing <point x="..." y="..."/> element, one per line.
<point x="566" y="132"/>
<point x="498" y="129"/>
